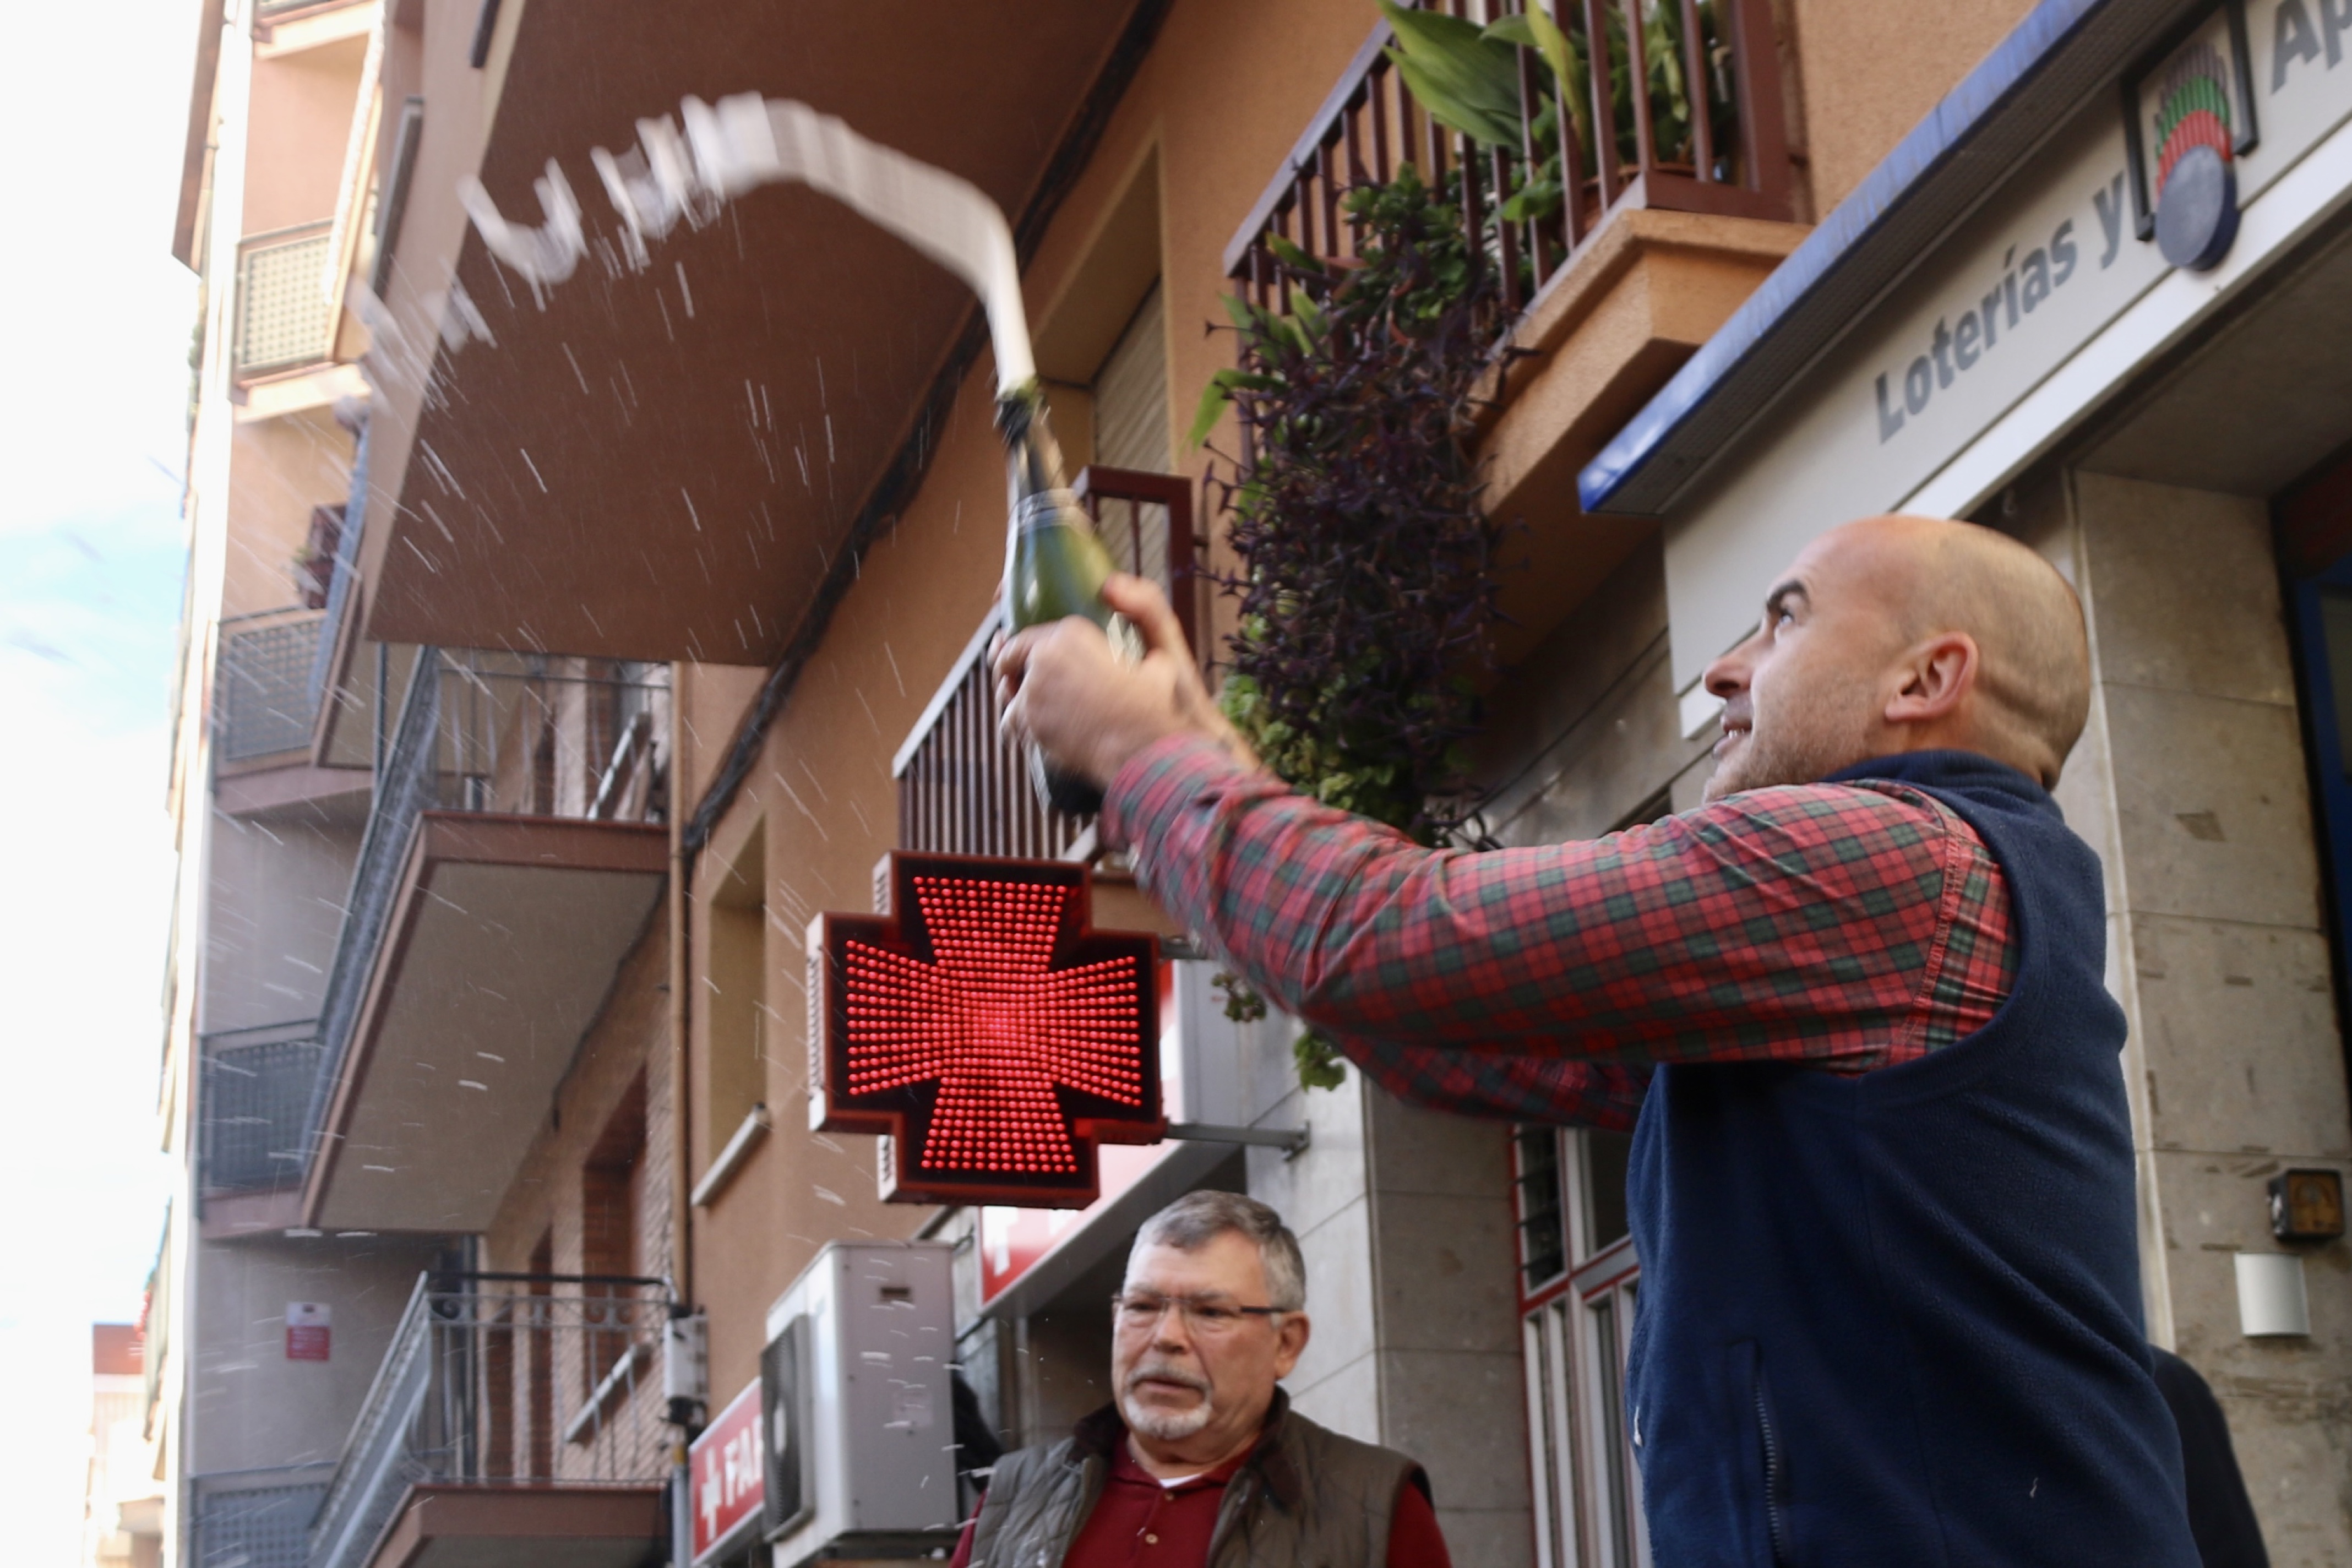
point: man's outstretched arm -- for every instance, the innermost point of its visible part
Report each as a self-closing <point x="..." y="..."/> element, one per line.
<point x="1790" y="924"/>
<point x="1845" y="927"/>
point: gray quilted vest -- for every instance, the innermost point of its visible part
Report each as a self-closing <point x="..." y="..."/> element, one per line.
<point x="1307" y="1499"/>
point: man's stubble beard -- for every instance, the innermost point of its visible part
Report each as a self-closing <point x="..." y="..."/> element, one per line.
<point x="1826" y="729"/>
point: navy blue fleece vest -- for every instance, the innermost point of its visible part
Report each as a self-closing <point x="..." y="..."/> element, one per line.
<point x="1893" y="1321"/>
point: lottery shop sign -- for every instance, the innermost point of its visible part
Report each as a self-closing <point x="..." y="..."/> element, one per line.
<point x="987" y="1029"/>
<point x="726" y="1479"/>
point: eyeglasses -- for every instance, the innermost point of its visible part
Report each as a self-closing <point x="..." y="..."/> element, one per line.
<point x="1134" y="1312"/>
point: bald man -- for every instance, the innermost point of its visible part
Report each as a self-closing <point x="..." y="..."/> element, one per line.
<point x="1881" y="1179"/>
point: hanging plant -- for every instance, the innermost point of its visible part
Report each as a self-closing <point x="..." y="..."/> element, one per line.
<point x="1366" y="582"/>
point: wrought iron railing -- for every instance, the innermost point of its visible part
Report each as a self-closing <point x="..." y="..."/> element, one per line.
<point x="962" y="788"/>
<point x="262" y="700"/>
<point x="257" y="1089"/>
<point x="504" y="1380"/>
<point x="285" y="316"/>
<point x="1703" y="132"/>
<point x="494" y="734"/>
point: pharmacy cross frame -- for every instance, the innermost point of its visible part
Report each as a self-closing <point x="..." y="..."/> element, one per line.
<point x="987" y="1030"/>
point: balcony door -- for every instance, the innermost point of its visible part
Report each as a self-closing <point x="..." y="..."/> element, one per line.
<point x="1131" y="429"/>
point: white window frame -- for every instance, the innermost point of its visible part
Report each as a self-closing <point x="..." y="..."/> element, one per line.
<point x="1575" y="1330"/>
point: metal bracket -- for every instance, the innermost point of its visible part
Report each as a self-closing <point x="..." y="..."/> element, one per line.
<point x="1291" y="1141"/>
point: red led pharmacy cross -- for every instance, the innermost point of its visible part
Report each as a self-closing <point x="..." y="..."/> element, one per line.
<point x="987" y="1030"/>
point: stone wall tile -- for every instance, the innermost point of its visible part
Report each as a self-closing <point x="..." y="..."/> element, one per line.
<point x="2239" y="1035"/>
<point x="2186" y="589"/>
<point x="1440" y="1407"/>
<point x="2213" y="815"/>
<point x="1339" y="1294"/>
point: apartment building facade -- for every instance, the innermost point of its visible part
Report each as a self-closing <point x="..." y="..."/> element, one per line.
<point x="653" y="616"/>
<point x="334" y="797"/>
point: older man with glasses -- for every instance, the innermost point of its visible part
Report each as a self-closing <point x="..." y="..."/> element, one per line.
<point x="1199" y="1460"/>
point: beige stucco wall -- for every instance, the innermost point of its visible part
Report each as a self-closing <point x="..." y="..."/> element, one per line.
<point x="248" y="1406"/>
<point x="1869" y="71"/>
<point x="274" y="908"/>
<point x="278" y="469"/>
<point x="301" y="120"/>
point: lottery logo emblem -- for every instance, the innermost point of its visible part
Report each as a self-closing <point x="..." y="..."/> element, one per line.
<point x="2196" y="177"/>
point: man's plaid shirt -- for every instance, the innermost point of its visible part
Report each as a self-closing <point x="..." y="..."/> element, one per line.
<point x="1847" y="926"/>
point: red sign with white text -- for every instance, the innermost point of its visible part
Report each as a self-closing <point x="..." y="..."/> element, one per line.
<point x="727" y="1482"/>
<point x="310" y="1331"/>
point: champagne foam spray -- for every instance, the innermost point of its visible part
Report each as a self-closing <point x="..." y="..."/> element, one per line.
<point x="746" y="141"/>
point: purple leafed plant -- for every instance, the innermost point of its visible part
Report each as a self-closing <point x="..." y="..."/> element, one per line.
<point x="1366" y="574"/>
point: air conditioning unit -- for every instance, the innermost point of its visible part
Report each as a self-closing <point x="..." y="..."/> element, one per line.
<point x="856" y="1405"/>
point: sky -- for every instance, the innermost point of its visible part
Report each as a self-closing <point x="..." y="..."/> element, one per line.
<point x="95" y="321"/>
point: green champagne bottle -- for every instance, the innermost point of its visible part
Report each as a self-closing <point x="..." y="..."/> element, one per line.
<point x="1054" y="566"/>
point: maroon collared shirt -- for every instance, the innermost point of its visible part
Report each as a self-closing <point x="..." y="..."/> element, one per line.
<point x="1140" y="1523"/>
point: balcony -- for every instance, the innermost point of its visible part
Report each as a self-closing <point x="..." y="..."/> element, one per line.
<point x="259" y="1519"/>
<point x="655" y="529"/>
<point x="517" y="1419"/>
<point x="1657" y="231"/>
<point x="285" y="316"/>
<point x="1721" y="150"/>
<point x="262" y="700"/>
<point x="511" y="859"/>
<point x="963" y="790"/>
<point x="256" y="1092"/>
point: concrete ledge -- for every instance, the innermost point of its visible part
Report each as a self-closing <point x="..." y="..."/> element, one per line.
<point x="1605" y="335"/>
<point x="252" y="791"/>
<point x="561" y="1527"/>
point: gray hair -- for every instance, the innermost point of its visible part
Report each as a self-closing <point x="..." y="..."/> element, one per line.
<point x="1196" y="1219"/>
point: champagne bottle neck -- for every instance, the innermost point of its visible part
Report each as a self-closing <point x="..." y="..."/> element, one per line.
<point x="1047" y="509"/>
<point x="1032" y="458"/>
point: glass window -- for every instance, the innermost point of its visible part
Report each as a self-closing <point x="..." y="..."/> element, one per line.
<point x="1543" y="1241"/>
<point x="1578" y="1281"/>
<point x="1605" y="1157"/>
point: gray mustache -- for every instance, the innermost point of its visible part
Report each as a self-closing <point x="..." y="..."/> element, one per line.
<point x="1167" y="1371"/>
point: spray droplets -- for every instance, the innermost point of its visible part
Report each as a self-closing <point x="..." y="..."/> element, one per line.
<point x="746" y="141"/>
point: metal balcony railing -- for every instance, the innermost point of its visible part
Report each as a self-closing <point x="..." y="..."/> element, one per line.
<point x="497" y="733"/>
<point x="343" y="573"/>
<point x="963" y="790"/>
<point x="254" y="1519"/>
<point x="505" y="1381"/>
<point x="285" y="316"/>
<point x="262" y="700"/>
<point x="255" y="1091"/>
<point x="549" y="737"/>
<point x="1702" y="132"/>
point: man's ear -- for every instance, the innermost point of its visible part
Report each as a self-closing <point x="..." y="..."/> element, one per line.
<point x="1937" y="675"/>
<point x="1291" y="1344"/>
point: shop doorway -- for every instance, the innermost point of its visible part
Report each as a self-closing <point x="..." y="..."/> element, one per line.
<point x="2315" y="537"/>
